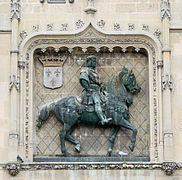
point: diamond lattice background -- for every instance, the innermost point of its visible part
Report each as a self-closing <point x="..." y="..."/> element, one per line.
<point x="94" y="141"/>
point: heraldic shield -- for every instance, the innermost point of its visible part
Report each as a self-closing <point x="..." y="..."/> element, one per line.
<point x="53" y="77"/>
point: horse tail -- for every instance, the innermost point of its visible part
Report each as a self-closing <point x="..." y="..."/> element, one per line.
<point x="45" y="112"/>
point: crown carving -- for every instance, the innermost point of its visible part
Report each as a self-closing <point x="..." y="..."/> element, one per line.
<point x="52" y="60"/>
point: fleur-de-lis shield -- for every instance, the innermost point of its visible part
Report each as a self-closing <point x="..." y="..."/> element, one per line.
<point x="53" y="77"/>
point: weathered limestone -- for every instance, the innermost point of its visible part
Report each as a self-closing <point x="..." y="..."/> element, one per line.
<point x="24" y="22"/>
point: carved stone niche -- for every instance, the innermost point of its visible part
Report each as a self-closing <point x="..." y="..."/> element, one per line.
<point x="138" y="53"/>
<point x="94" y="141"/>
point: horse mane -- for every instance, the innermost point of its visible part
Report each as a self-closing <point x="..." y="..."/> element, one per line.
<point x="114" y="84"/>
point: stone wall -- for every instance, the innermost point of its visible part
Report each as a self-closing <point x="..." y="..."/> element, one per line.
<point x="155" y="22"/>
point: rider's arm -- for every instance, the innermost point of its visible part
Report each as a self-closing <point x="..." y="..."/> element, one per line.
<point x="84" y="84"/>
<point x="84" y="79"/>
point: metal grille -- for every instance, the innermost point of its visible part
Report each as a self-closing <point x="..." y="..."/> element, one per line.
<point x="94" y="141"/>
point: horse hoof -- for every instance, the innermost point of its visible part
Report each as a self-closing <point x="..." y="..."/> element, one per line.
<point x="132" y="146"/>
<point x="110" y="152"/>
<point x="67" y="154"/>
<point x="77" y="148"/>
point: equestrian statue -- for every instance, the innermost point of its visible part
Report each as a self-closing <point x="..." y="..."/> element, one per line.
<point x="100" y="105"/>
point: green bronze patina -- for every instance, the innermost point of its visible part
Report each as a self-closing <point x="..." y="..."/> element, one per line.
<point x="97" y="107"/>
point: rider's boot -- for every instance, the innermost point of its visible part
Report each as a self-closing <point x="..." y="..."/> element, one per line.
<point x="103" y="118"/>
<point x="100" y="114"/>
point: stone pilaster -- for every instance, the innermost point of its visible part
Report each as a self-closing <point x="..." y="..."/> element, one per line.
<point x="14" y="81"/>
<point x="166" y="82"/>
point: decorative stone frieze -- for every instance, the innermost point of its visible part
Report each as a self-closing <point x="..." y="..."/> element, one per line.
<point x="168" y="167"/>
<point x="14" y="81"/>
<point x="165" y="9"/>
<point x="15" y="9"/>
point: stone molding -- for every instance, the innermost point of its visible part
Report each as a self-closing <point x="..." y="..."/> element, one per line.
<point x="168" y="167"/>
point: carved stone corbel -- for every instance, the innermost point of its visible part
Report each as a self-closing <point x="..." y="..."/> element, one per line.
<point x="13" y="168"/>
<point x="169" y="167"/>
<point x="14" y="81"/>
<point x="167" y="81"/>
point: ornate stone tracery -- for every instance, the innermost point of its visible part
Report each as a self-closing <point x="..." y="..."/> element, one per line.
<point x="15" y="9"/>
<point x="165" y="9"/>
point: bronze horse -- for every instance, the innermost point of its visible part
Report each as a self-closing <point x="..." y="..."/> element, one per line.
<point x="70" y="112"/>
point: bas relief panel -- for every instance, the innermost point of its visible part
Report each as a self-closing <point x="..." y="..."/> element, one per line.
<point x="94" y="141"/>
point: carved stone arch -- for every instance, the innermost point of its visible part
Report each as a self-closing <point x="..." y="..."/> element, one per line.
<point x="89" y="37"/>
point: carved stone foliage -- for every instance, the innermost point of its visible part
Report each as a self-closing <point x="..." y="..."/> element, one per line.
<point x="13" y="168"/>
<point x="169" y="167"/>
<point x="64" y="27"/>
<point x="101" y="23"/>
<point x="165" y="9"/>
<point x="35" y="28"/>
<point x="157" y="33"/>
<point x="145" y="27"/>
<point x="117" y="27"/>
<point x="49" y="27"/>
<point x="79" y="24"/>
<point x="15" y="9"/>
<point x="23" y="34"/>
<point x="131" y="26"/>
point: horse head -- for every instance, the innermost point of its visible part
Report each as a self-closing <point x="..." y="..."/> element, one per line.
<point x="128" y="79"/>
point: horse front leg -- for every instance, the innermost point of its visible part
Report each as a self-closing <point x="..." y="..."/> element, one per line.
<point x="112" y="138"/>
<point x="62" y="135"/>
<point x="127" y="125"/>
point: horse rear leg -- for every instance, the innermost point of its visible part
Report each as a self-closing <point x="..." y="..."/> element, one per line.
<point x="112" y="138"/>
<point x="127" y="125"/>
<point x="62" y="135"/>
<point x="72" y="140"/>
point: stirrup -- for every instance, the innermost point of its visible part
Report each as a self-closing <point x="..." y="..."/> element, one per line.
<point x="106" y="120"/>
